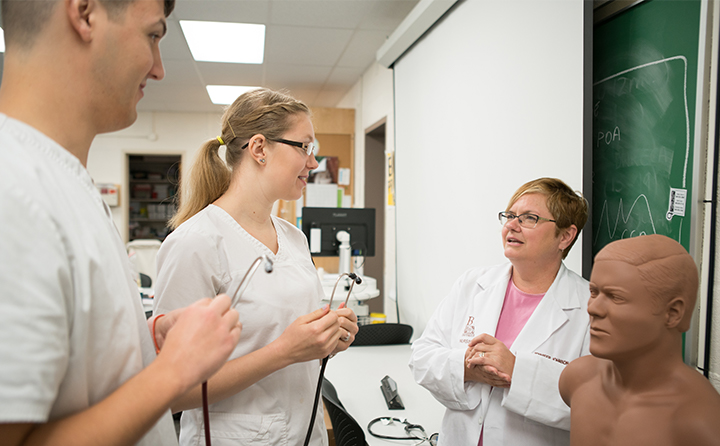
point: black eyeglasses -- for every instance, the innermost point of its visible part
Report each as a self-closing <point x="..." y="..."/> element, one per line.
<point x="308" y="147"/>
<point x="525" y="220"/>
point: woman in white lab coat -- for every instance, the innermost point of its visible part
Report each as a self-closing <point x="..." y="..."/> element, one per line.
<point x="493" y="351"/>
<point x="265" y="393"/>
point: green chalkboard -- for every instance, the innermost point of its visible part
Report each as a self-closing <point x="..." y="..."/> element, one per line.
<point x="644" y="76"/>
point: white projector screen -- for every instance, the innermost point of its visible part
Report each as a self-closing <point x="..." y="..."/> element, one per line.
<point x="488" y="99"/>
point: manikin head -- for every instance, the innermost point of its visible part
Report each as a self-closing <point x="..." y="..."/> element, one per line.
<point x="642" y="290"/>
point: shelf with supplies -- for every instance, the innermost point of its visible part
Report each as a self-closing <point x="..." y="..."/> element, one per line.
<point x="153" y="183"/>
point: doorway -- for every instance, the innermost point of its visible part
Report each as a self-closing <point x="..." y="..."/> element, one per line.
<point x="375" y="198"/>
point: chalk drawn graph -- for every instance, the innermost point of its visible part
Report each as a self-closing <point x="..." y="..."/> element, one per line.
<point x="640" y="177"/>
<point x="621" y="215"/>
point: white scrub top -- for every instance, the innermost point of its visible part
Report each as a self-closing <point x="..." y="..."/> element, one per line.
<point x="71" y="320"/>
<point x="529" y="413"/>
<point x="209" y="254"/>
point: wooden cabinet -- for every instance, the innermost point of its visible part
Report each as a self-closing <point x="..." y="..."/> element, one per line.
<point x="153" y="183"/>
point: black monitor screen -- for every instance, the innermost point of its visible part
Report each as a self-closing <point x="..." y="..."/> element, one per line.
<point x="326" y="222"/>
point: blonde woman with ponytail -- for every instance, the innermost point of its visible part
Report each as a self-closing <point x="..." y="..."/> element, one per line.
<point x="264" y="393"/>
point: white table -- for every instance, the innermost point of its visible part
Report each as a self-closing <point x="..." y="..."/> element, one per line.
<point x="356" y="375"/>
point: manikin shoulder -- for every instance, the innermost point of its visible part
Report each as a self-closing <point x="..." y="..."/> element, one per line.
<point x="697" y="418"/>
<point x="579" y="372"/>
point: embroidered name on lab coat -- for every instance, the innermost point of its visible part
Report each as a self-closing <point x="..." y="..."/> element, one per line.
<point x="561" y="361"/>
<point x="469" y="331"/>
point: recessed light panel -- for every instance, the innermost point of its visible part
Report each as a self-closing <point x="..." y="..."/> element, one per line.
<point x="2" y="41"/>
<point x="226" y="94"/>
<point x="224" y="41"/>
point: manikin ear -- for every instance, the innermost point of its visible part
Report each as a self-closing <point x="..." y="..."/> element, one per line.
<point x="257" y="148"/>
<point x="567" y="236"/>
<point x="674" y="314"/>
<point x="81" y="16"/>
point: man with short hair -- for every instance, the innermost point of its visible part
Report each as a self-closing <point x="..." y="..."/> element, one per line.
<point x="635" y="389"/>
<point x="77" y="363"/>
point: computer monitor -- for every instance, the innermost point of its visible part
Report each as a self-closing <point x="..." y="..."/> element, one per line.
<point x="321" y="226"/>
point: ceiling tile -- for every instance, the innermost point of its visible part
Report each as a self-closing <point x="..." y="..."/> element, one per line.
<point x="180" y="73"/>
<point x="344" y="76"/>
<point x="361" y="50"/>
<point x="387" y="15"/>
<point x="305" y="46"/>
<point x="231" y="73"/>
<point x="343" y="14"/>
<point x="243" y="11"/>
<point x="296" y="74"/>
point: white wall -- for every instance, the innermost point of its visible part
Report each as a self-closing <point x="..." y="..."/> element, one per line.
<point x="489" y="98"/>
<point x="152" y="133"/>
<point x="372" y="99"/>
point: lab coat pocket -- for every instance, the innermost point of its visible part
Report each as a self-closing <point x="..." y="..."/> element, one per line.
<point x="232" y="429"/>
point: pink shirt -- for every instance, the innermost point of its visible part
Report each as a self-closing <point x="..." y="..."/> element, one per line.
<point x="517" y="309"/>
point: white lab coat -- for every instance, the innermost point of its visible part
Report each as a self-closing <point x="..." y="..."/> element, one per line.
<point x="531" y="411"/>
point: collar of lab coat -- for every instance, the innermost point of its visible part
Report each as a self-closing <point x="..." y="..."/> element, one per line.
<point x="549" y="315"/>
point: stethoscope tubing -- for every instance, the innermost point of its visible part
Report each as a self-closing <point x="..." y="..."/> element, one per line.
<point x="235" y="298"/>
<point x="316" y="402"/>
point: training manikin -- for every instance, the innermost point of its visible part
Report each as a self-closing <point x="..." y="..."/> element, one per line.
<point x="635" y="389"/>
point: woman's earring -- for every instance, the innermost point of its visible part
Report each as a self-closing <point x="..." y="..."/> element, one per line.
<point x="262" y="160"/>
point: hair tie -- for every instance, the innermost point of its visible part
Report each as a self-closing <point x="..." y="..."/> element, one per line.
<point x="221" y="141"/>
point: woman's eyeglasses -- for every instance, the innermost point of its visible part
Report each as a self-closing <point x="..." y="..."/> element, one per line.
<point x="308" y="147"/>
<point x="525" y="220"/>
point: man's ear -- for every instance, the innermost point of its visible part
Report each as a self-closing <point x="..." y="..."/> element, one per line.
<point x="674" y="313"/>
<point x="81" y="15"/>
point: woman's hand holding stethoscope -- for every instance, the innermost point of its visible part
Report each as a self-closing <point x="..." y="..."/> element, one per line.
<point x="311" y="336"/>
<point x="348" y="328"/>
<point x="489" y="361"/>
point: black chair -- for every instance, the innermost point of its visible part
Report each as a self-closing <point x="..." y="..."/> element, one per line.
<point x="383" y="334"/>
<point x="145" y="280"/>
<point x="346" y="430"/>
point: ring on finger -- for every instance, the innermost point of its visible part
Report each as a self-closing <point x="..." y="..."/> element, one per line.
<point x="482" y="354"/>
<point x="345" y="338"/>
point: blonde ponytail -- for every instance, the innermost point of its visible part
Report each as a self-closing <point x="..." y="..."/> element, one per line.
<point x="208" y="179"/>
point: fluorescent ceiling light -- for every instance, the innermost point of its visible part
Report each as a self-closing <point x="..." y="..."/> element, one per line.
<point x="226" y="94"/>
<point x="225" y="42"/>
<point x="2" y="41"/>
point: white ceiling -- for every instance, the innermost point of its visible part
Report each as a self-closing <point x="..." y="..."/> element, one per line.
<point x="315" y="49"/>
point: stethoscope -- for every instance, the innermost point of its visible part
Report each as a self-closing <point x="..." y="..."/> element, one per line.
<point x="354" y="278"/>
<point x="408" y="427"/>
<point x="242" y="286"/>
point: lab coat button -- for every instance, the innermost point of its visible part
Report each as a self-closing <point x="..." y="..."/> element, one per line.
<point x="480" y="421"/>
